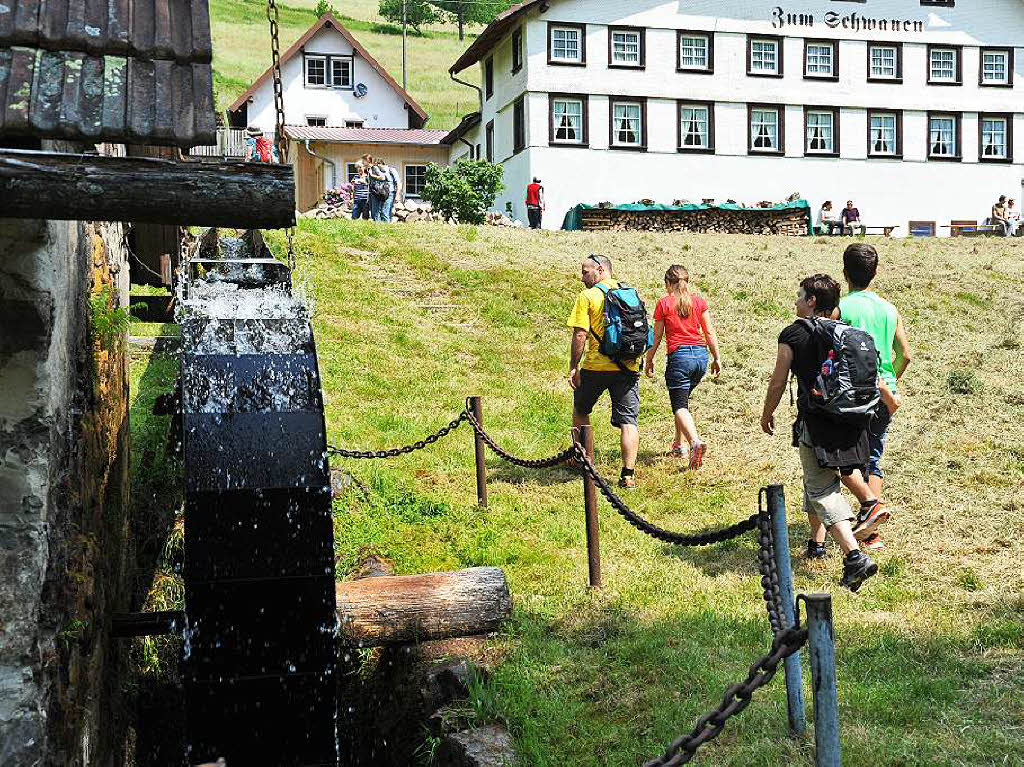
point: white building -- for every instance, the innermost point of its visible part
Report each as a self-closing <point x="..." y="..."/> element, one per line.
<point x="329" y="80"/>
<point x="910" y="108"/>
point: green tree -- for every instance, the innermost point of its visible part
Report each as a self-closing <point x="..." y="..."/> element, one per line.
<point x="323" y="7"/>
<point x="465" y="190"/>
<point x="463" y="12"/>
<point x="417" y="12"/>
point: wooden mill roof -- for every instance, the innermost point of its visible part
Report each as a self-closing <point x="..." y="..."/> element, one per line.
<point x="107" y="70"/>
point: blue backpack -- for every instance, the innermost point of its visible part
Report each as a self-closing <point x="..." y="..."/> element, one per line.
<point x="627" y="333"/>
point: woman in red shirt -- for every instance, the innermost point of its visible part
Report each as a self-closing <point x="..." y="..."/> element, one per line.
<point x="682" y="317"/>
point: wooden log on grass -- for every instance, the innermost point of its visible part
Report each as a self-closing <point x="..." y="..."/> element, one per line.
<point x="99" y="188"/>
<point x="416" y="608"/>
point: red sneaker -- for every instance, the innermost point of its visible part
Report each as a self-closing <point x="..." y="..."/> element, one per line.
<point x="873" y="542"/>
<point x="869" y="521"/>
<point x="697" y="455"/>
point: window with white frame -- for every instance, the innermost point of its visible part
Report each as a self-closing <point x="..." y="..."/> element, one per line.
<point x="694" y="51"/>
<point x="316" y="70"/>
<point x="626" y="48"/>
<point x="764" y="130"/>
<point x="994" y="138"/>
<point x="883" y="62"/>
<point x="316" y="122"/>
<point x="694" y="126"/>
<point x="820" y="132"/>
<point x="995" y="67"/>
<point x="882" y="134"/>
<point x="820" y="59"/>
<point x="351" y="171"/>
<point x="765" y="56"/>
<point x="942" y="138"/>
<point x="415" y="180"/>
<point x="567" y="120"/>
<point x="627" y="123"/>
<point x="341" y="72"/>
<point x="942" y="65"/>
<point x="354" y="123"/>
<point x="566" y="44"/>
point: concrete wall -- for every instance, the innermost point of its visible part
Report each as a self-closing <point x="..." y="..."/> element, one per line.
<point x="63" y="493"/>
<point x="381" y="107"/>
<point x="887" y="191"/>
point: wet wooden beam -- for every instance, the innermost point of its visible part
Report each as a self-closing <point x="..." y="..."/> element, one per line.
<point x="417" y="608"/>
<point x="147" y="624"/>
<point x="98" y="188"/>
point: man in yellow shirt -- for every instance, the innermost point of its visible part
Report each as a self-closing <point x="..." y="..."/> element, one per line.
<point x="592" y="373"/>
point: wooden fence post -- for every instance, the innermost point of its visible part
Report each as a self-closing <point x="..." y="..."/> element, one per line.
<point x="586" y="438"/>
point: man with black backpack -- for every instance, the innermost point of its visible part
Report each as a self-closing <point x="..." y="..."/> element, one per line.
<point x="836" y="371"/>
<point x="610" y="335"/>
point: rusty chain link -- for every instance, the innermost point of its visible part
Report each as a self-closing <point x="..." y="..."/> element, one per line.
<point x="768" y="566"/>
<point x="279" y="138"/>
<point x="527" y="463"/>
<point x="397" y="451"/>
<point x="641" y="524"/>
<point x="737" y="697"/>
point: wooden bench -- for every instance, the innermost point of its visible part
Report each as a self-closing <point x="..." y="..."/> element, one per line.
<point x="885" y="231"/>
<point x="964" y="227"/>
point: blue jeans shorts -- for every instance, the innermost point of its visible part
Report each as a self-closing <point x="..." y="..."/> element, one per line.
<point x="878" y="432"/>
<point x="686" y="367"/>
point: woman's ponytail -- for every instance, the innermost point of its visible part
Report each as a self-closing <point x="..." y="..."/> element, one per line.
<point x="678" y="280"/>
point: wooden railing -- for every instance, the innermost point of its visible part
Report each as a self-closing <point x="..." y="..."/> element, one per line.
<point x="230" y="143"/>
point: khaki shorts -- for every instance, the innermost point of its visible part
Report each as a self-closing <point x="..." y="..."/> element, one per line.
<point x="822" y="488"/>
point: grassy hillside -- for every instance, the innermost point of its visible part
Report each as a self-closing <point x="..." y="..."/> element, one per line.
<point x="409" y="320"/>
<point x="241" y="46"/>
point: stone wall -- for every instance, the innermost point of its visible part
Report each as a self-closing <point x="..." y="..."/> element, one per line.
<point x="63" y="490"/>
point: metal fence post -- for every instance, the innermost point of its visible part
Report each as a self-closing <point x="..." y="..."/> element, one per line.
<point x="794" y="682"/>
<point x="827" y="752"/>
<point x="586" y="438"/>
<point x="478" y="444"/>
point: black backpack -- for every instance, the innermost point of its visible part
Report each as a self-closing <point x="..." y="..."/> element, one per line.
<point x="380" y="187"/>
<point x="845" y="388"/>
<point x="627" y="333"/>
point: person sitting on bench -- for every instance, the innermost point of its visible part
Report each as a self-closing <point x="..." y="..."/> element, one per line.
<point x="998" y="217"/>
<point x="1013" y="217"/>
<point x="850" y="219"/>
<point x="827" y="222"/>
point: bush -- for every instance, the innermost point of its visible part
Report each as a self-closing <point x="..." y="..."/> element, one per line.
<point x="463" y="191"/>
<point x="323" y="7"/>
<point x="962" y="381"/>
<point x="342" y="194"/>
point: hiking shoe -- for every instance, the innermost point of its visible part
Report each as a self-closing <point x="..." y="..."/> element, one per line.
<point x="697" y="455"/>
<point x="868" y="521"/>
<point x="856" y="571"/>
<point x="816" y="550"/>
<point x="629" y="483"/>
<point x="874" y="542"/>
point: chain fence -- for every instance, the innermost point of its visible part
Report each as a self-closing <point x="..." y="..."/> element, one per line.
<point x="785" y="640"/>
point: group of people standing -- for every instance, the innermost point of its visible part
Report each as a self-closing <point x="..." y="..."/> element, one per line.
<point x="833" y="453"/>
<point x="374" y="189"/>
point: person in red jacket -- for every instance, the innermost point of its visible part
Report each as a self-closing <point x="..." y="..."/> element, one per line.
<point x="535" y="204"/>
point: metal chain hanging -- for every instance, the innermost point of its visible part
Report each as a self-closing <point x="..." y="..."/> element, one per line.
<point x="279" y="138"/>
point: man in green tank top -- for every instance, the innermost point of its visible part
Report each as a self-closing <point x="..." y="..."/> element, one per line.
<point x="865" y="309"/>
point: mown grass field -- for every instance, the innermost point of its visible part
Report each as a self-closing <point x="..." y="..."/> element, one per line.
<point x="409" y="320"/>
<point x="241" y="51"/>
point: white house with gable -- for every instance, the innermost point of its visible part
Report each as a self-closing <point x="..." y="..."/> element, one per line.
<point x="329" y="80"/>
<point x="913" y="109"/>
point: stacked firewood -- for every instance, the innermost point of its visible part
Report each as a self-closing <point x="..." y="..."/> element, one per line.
<point x="713" y="220"/>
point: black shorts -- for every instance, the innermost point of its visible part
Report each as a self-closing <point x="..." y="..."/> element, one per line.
<point x="623" y="387"/>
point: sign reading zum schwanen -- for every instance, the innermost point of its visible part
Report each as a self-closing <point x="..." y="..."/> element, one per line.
<point x="853" y="21"/>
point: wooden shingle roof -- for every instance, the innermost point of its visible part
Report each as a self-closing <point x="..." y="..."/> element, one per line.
<point x="107" y="70"/>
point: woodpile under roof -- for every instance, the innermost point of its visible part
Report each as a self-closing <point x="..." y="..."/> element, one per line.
<point x="123" y="71"/>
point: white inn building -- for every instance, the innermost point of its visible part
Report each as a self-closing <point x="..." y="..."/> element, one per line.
<point x="911" y="108"/>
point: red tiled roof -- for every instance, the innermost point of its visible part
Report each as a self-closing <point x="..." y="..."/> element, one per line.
<point x="325" y="21"/>
<point x="416" y="136"/>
